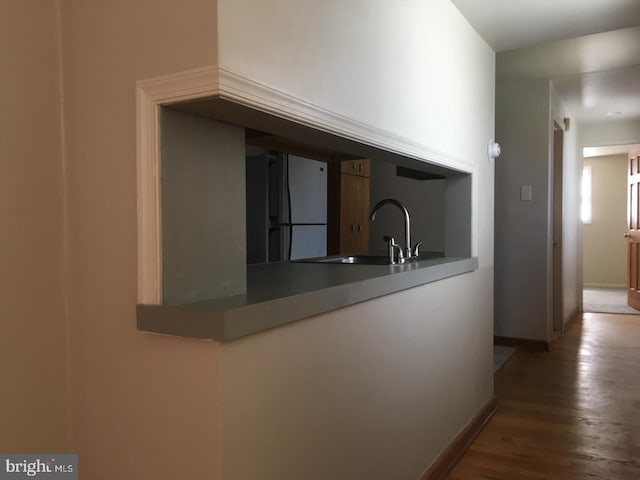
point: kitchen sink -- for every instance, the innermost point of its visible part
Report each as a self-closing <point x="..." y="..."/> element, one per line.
<point x="365" y="259"/>
<point x="350" y="259"/>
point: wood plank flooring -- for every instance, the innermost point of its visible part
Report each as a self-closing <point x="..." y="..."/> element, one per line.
<point x="572" y="413"/>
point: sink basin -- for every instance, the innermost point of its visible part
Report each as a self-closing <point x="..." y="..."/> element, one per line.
<point x="350" y="259"/>
<point x="363" y="259"/>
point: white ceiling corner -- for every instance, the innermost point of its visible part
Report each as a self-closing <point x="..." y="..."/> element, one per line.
<point x="589" y="49"/>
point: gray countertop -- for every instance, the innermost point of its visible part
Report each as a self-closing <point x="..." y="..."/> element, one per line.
<point x="280" y="293"/>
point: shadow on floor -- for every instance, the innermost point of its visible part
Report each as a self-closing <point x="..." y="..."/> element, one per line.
<point x="501" y="356"/>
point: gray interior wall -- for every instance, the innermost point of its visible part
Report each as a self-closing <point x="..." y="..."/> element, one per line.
<point x="521" y="227"/>
<point x="203" y="208"/>
<point x="571" y="222"/>
<point x="457" y="234"/>
<point x="257" y="213"/>
<point x="424" y="200"/>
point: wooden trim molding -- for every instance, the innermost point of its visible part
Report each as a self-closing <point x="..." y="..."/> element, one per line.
<point x="216" y="82"/>
<point x="150" y="95"/>
<point x="454" y="452"/>
<point x="538" y="345"/>
<point x="262" y="97"/>
<point x="572" y="318"/>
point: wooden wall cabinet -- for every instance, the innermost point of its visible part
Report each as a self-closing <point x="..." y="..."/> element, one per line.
<point x="349" y="199"/>
<point x="360" y="167"/>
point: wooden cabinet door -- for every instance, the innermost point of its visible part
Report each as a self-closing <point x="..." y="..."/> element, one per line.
<point x="361" y="215"/>
<point x="360" y="167"/>
<point x="354" y="214"/>
<point x="348" y="207"/>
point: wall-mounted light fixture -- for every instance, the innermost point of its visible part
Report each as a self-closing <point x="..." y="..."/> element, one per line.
<point x="567" y="123"/>
<point x="493" y="150"/>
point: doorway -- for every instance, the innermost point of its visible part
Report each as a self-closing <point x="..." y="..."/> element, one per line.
<point x="604" y="229"/>
<point x="558" y="145"/>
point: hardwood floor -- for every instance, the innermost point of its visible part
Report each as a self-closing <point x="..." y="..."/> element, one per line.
<point x="572" y="413"/>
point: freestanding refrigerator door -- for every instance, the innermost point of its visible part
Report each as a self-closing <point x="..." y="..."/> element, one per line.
<point x="307" y="180"/>
<point x="308" y="241"/>
<point x="308" y="190"/>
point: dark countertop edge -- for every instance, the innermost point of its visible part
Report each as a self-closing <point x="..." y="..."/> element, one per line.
<point x="225" y="324"/>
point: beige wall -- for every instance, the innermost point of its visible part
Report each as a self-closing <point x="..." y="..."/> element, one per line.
<point x="145" y="406"/>
<point x="605" y="248"/>
<point x="32" y="325"/>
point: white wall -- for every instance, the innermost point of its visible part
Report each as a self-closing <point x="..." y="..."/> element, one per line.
<point x="379" y="389"/>
<point x="32" y="305"/>
<point x="388" y="66"/>
<point x="605" y="248"/>
<point x="612" y="132"/>
<point x="373" y="391"/>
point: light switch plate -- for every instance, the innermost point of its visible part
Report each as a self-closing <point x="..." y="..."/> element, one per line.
<point x="525" y="193"/>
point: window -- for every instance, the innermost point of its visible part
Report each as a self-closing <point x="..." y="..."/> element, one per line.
<point x="585" y="208"/>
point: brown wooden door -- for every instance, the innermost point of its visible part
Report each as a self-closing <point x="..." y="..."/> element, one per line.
<point x="633" y="235"/>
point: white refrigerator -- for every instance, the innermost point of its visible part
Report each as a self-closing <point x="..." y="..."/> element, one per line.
<point x="286" y="208"/>
<point x="305" y="213"/>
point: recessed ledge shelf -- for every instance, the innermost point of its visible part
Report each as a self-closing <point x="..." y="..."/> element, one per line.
<point x="281" y="293"/>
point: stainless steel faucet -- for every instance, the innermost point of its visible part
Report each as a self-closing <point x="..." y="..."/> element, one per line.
<point x="408" y="251"/>
<point x="392" y="246"/>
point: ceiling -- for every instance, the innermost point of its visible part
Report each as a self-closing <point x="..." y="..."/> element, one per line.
<point x="590" y="49"/>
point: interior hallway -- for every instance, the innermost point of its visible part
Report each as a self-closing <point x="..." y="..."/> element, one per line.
<point x="607" y="300"/>
<point x="572" y="413"/>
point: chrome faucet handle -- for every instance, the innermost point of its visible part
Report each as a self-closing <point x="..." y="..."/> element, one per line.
<point x="391" y="248"/>
<point x="416" y="250"/>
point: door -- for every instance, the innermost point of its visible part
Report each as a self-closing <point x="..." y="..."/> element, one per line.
<point x="354" y="214"/>
<point x="558" y="145"/>
<point x="307" y="198"/>
<point x="633" y="234"/>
